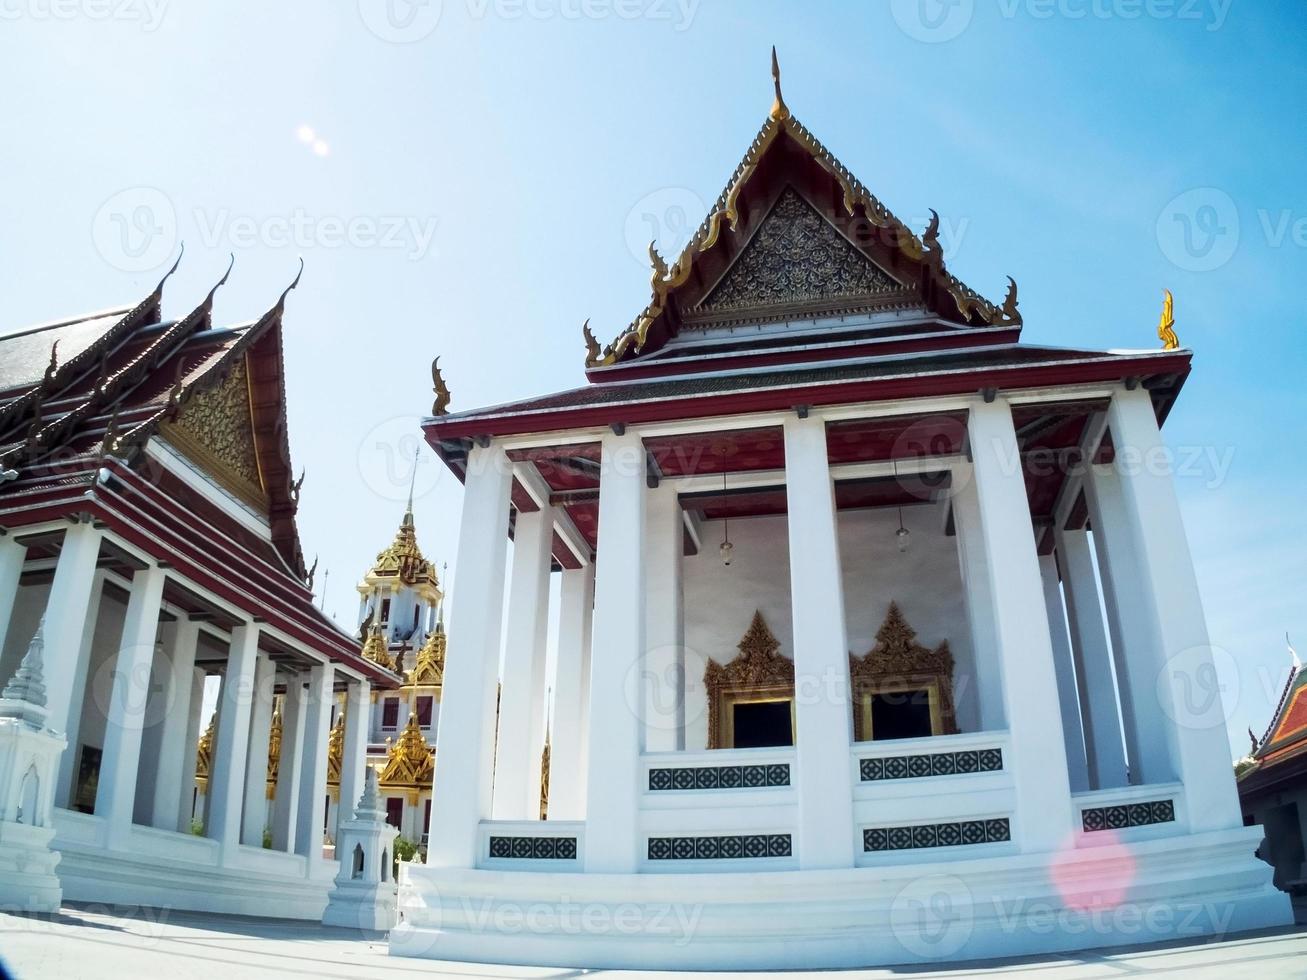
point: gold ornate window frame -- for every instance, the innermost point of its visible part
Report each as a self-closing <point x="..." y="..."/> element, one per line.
<point x="759" y="674"/>
<point x="899" y="664"/>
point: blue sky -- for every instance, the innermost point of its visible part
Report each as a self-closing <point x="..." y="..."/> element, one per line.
<point x="475" y="184"/>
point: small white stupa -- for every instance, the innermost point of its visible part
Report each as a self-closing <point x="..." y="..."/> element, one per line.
<point x="363" y="896"/>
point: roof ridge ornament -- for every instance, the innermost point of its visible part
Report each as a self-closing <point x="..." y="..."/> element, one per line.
<point x="1166" y="325"/>
<point x="1008" y="314"/>
<point x="779" y="110"/>
<point x="441" y="390"/>
<point x="1297" y="664"/>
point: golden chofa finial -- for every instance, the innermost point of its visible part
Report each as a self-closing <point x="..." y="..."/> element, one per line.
<point x="779" y="110"/>
<point x="1166" y="325"/>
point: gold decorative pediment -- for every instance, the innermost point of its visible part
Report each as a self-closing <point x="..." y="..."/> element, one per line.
<point x="898" y="662"/>
<point x="797" y="256"/>
<point x="759" y="672"/>
<point x="215" y="429"/>
<point x="429" y="664"/>
<point x="411" y="760"/>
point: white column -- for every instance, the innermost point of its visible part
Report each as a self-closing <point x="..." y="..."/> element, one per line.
<point x="1039" y="765"/>
<point x="664" y="667"/>
<point x="1067" y="697"/>
<point x="254" y="813"/>
<point x="354" y="758"/>
<point x="69" y="761"/>
<point x="976" y="593"/>
<point x="521" y="706"/>
<point x="466" y="730"/>
<point x="1176" y="644"/>
<point x="824" y="717"/>
<point x="179" y="680"/>
<point x="184" y="801"/>
<point x="312" y="812"/>
<point x="115" y="795"/>
<point x="227" y="769"/>
<point x="571" y="695"/>
<point x="286" y="801"/>
<point x="12" y="556"/>
<point x="612" y="779"/>
<point x="66" y="612"/>
<point x="1104" y="747"/>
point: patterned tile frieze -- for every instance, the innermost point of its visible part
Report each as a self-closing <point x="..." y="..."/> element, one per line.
<point x="936" y="835"/>
<point x="719" y="777"/>
<point x="930" y="764"/>
<point x="1122" y="815"/>
<point x="534" y="848"/>
<point x="716" y="848"/>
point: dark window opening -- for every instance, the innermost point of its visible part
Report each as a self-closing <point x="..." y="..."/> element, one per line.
<point x="424" y="711"/>
<point x="395" y="811"/>
<point x="390" y="713"/>
<point x="760" y="724"/>
<point x="901" y="714"/>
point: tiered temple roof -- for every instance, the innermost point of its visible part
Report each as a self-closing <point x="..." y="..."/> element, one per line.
<point x="1280" y="755"/>
<point x="81" y="401"/>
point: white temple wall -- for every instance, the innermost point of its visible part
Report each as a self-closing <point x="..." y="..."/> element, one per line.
<point x="925" y="581"/>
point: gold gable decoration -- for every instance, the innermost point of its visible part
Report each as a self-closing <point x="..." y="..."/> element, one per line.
<point x="410" y="762"/>
<point x="898" y="662"/>
<point x="374" y="649"/>
<point x="204" y="753"/>
<point x="797" y="256"/>
<point x="759" y="669"/>
<point x="215" y="429"/>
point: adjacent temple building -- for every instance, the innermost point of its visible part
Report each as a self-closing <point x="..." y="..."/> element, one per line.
<point x="150" y="565"/>
<point x="872" y="628"/>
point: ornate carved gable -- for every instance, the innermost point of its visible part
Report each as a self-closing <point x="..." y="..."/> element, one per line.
<point x="216" y="430"/>
<point x="429" y="665"/>
<point x="897" y="657"/>
<point x="411" y="760"/>
<point x="797" y="256"/>
<point x="758" y="670"/>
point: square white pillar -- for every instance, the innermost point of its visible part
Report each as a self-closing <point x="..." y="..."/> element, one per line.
<point x="612" y="842"/>
<point x="76" y="684"/>
<point x="231" y="748"/>
<point x="312" y="812"/>
<point x="286" y="799"/>
<point x="354" y="758"/>
<point x="254" y="813"/>
<point x="465" y="733"/>
<point x="664" y="666"/>
<point x="1068" y="697"/>
<point x="68" y="607"/>
<point x="115" y="796"/>
<point x="178" y="678"/>
<point x="521" y="712"/>
<point x="1176" y="644"/>
<point x="12" y="556"/>
<point x="986" y="674"/>
<point x="823" y="698"/>
<point x="568" y="750"/>
<point x="1105" y="749"/>
<point x="1023" y="639"/>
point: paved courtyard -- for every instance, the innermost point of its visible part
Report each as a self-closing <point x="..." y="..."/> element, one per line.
<point x="108" y="944"/>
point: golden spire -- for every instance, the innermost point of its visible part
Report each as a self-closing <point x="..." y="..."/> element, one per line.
<point x="374" y="648"/>
<point x="779" y="110"/>
<point x="1166" y="325"/>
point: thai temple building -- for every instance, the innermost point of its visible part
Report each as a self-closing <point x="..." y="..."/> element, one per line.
<point x="149" y="565"/>
<point x="1273" y="782"/>
<point x="874" y="633"/>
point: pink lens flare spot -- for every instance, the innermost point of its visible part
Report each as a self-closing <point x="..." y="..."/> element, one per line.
<point x="1096" y="876"/>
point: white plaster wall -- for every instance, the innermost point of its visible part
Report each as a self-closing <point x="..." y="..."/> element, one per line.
<point x="925" y="581"/>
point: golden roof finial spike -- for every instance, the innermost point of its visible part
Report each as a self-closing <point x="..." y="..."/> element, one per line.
<point x="779" y="110"/>
<point x="1166" y="326"/>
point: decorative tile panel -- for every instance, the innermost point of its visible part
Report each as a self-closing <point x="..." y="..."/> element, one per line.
<point x="719" y="777"/>
<point x="936" y="835"/>
<point x="1122" y="815"/>
<point x="930" y="764"/>
<point x="717" y="848"/>
<point x="534" y="848"/>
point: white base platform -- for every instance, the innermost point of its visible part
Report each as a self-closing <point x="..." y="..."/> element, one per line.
<point x="958" y="907"/>
<point x="28" y="882"/>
